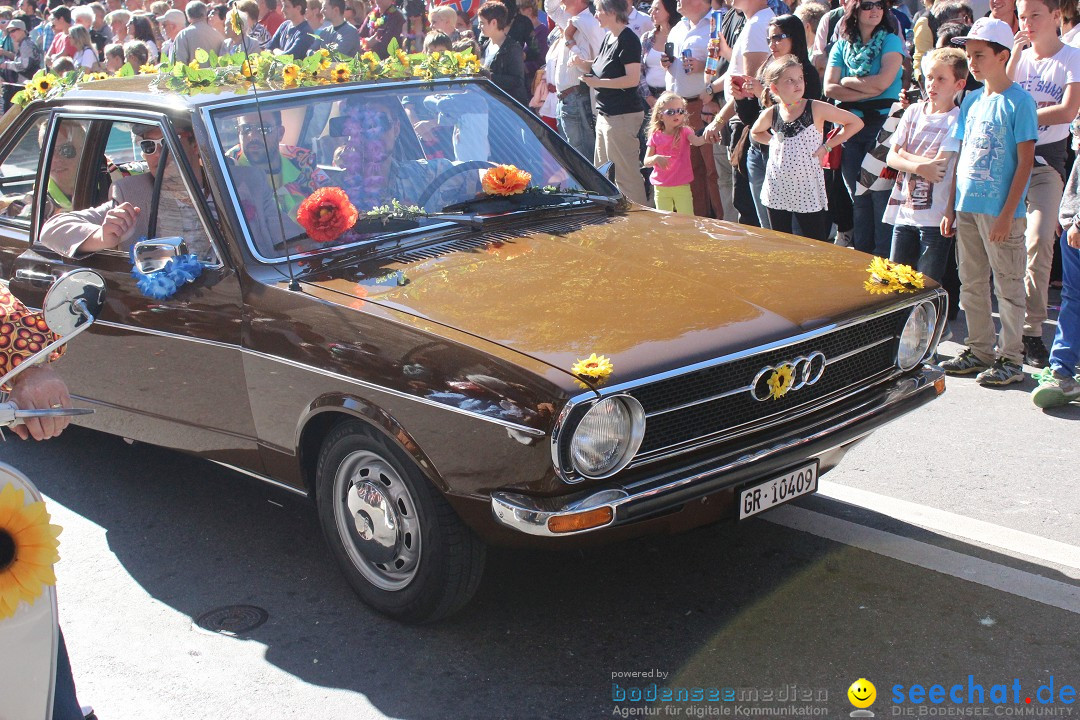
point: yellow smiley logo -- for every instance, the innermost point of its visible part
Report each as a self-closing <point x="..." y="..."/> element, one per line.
<point x="862" y="693"/>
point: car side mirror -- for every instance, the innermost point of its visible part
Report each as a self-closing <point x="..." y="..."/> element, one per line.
<point x="608" y="170"/>
<point x="152" y="255"/>
<point x="74" y="299"/>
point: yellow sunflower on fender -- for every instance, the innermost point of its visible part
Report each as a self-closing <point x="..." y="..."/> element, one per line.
<point x="596" y="367"/>
<point x="28" y="549"/>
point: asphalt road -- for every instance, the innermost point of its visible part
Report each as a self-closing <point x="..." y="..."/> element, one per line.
<point x="947" y="545"/>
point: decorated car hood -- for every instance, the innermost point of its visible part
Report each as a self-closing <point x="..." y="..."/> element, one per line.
<point x="650" y="291"/>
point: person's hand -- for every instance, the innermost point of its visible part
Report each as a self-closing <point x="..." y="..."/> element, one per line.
<point x="589" y="80"/>
<point x="948" y="223"/>
<point x="693" y="65"/>
<point x="711" y="134"/>
<point x="425" y="129"/>
<point x="820" y="153"/>
<point x="999" y="231"/>
<point x="1021" y="40"/>
<point x="705" y="96"/>
<point x="661" y="161"/>
<point x="581" y="63"/>
<point x="665" y="62"/>
<point x="40" y="388"/>
<point x="934" y="170"/>
<point x="904" y="101"/>
<point x="118" y="225"/>
<point x="1073" y="238"/>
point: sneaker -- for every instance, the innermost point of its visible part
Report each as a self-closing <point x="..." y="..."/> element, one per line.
<point x="965" y="363"/>
<point x="1035" y="352"/>
<point x="1054" y="389"/>
<point x="844" y="239"/>
<point x="1002" y="372"/>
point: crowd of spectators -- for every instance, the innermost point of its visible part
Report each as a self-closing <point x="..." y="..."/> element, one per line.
<point x="716" y="107"/>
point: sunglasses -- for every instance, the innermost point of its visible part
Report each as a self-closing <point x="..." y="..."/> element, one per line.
<point x="247" y="129"/>
<point x="67" y="150"/>
<point x="778" y="38"/>
<point x="671" y="112"/>
<point x="868" y="5"/>
<point x="150" y="147"/>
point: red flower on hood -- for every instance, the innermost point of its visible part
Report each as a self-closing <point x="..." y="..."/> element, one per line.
<point x="326" y="214"/>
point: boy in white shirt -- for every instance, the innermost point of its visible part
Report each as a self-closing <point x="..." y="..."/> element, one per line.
<point x="1050" y="71"/>
<point x="925" y="155"/>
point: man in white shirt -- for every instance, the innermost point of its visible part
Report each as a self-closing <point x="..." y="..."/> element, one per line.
<point x="582" y="37"/>
<point x="639" y="22"/>
<point x="686" y="78"/>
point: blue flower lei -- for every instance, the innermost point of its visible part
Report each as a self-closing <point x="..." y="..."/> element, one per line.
<point x="165" y="282"/>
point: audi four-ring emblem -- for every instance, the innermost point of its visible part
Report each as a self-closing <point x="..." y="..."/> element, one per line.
<point x="776" y="381"/>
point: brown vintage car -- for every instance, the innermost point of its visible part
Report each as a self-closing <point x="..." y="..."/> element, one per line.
<point x="413" y="375"/>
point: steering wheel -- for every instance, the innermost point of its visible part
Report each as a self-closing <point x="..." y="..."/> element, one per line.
<point x="442" y="178"/>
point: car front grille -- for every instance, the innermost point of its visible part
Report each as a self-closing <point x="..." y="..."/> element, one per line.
<point x="712" y="403"/>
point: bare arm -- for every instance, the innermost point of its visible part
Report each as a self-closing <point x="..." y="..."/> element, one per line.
<point x="874" y="85"/>
<point x="754" y="61"/>
<point x="837" y="91"/>
<point x="1025" y="160"/>
<point x="760" y="132"/>
<point x="852" y="123"/>
<point x="1063" y="112"/>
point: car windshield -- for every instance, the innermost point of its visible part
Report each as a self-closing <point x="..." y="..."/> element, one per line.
<point x="416" y="146"/>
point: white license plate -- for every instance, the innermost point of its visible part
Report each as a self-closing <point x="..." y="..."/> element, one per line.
<point x="778" y="491"/>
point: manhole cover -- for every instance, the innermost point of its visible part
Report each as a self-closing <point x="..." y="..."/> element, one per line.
<point x="232" y="619"/>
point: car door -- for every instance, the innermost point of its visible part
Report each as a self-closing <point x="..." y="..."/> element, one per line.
<point x="165" y="371"/>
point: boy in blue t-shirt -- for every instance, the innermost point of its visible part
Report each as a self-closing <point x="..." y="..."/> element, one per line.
<point x="998" y="127"/>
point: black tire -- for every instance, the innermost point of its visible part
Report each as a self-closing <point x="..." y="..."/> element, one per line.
<point x="400" y="544"/>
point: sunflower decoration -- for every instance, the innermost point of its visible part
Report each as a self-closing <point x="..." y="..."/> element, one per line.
<point x="45" y="83"/>
<point x="148" y="69"/>
<point x="888" y="277"/>
<point x="341" y="73"/>
<point x="290" y="74"/>
<point x="780" y="381"/>
<point x="324" y="63"/>
<point x="245" y="69"/>
<point x="194" y="65"/>
<point x="28" y="549"/>
<point x="505" y="180"/>
<point x="595" y="367"/>
<point x="403" y="58"/>
<point x="233" y="18"/>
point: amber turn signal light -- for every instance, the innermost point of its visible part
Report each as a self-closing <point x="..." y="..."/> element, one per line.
<point x="581" y="521"/>
<point x="939" y="385"/>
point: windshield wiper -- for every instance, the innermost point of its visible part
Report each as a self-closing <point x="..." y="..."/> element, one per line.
<point x="530" y="201"/>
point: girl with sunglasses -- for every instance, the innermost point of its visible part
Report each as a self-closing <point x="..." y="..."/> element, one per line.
<point x="668" y="154"/>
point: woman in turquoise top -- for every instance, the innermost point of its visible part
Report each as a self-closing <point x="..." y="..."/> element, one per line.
<point x="865" y="76"/>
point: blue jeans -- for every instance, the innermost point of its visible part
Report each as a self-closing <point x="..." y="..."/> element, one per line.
<point x="577" y="123"/>
<point x="65" y="704"/>
<point x="755" y="169"/>
<point x="872" y="235"/>
<point x="1065" y="353"/>
<point x="924" y="248"/>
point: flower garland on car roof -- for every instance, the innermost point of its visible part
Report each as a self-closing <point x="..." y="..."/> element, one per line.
<point x="46" y="85"/>
<point x="209" y="71"/>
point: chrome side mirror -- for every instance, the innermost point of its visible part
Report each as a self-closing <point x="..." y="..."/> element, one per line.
<point x="75" y="298"/>
<point x="152" y="255"/>
<point x="70" y="307"/>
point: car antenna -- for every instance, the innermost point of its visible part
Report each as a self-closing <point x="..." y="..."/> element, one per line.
<point x="293" y="284"/>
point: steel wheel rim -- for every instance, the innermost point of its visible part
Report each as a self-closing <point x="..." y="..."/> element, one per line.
<point x="361" y="479"/>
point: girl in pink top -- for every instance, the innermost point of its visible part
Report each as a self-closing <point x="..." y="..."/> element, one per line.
<point x="668" y="154"/>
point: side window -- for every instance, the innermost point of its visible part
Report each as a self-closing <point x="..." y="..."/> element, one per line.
<point x="130" y="162"/>
<point x="18" y="174"/>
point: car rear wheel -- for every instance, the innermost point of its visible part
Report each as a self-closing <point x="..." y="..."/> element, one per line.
<point x="401" y="546"/>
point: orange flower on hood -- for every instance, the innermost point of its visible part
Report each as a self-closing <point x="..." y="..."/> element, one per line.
<point x="505" y="180"/>
<point x="326" y="214"/>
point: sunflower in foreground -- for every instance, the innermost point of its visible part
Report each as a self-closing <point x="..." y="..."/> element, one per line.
<point x="28" y="546"/>
<point x="291" y="75"/>
<point x="596" y="367"/>
<point x="780" y="381"/>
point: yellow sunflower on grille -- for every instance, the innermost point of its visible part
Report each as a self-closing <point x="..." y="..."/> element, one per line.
<point x="780" y="381"/>
<point x="28" y="549"/>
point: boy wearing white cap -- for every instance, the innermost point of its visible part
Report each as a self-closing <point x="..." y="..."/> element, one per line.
<point x="998" y="127"/>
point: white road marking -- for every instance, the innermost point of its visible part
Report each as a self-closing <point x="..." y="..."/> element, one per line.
<point x="983" y="572"/>
<point x="947" y="523"/>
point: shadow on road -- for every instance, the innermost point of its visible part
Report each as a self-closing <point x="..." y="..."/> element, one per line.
<point x="753" y="605"/>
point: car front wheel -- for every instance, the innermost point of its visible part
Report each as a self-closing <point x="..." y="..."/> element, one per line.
<point x="401" y="546"/>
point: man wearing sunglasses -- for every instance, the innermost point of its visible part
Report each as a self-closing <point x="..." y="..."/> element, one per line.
<point x="125" y="218"/>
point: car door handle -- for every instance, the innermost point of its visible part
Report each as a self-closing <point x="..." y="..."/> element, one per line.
<point x="35" y="277"/>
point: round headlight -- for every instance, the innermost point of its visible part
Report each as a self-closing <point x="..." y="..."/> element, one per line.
<point x="917" y="336"/>
<point x="608" y="436"/>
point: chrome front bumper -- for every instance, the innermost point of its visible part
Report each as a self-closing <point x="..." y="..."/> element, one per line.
<point x="817" y="438"/>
